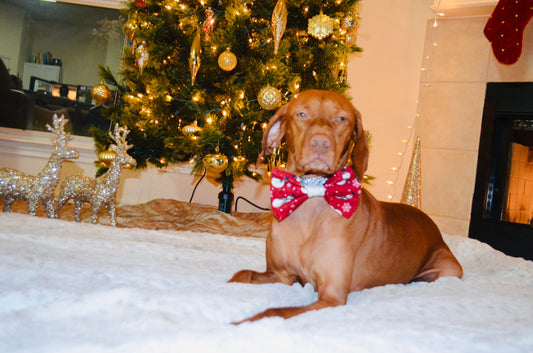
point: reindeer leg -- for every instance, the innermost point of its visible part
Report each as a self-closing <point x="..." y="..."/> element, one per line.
<point x="94" y="212"/>
<point x="8" y="203"/>
<point x="112" y="213"/>
<point x="77" y="210"/>
<point x="60" y="203"/>
<point x="50" y="209"/>
<point x="32" y="207"/>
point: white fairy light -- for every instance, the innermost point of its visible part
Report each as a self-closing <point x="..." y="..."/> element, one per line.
<point x="424" y="69"/>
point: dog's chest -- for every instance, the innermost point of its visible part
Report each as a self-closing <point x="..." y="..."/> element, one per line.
<point x="294" y="238"/>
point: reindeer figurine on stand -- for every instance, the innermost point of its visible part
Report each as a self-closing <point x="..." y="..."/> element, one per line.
<point x="38" y="189"/>
<point x="101" y="191"/>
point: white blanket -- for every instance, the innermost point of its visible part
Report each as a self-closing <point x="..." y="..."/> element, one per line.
<point x="71" y="287"/>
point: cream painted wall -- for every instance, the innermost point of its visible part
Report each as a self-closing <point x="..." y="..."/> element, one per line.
<point x="80" y="55"/>
<point x="385" y="83"/>
<point x="451" y="114"/>
<point x="11" y="27"/>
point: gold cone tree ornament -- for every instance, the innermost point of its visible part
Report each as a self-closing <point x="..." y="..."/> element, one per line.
<point x="194" y="57"/>
<point x="412" y="188"/>
<point x="141" y="55"/>
<point x="279" y="22"/>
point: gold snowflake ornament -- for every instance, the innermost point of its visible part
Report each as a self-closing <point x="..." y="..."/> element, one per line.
<point x="320" y="26"/>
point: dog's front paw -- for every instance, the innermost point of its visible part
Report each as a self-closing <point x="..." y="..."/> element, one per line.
<point x="248" y="276"/>
<point x="244" y="276"/>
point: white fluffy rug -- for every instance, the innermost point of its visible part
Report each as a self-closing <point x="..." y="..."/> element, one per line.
<point x="76" y="287"/>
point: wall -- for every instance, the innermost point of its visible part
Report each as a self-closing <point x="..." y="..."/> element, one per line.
<point x="451" y="113"/>
<point x="80" y="54"/>
<point x="79" y="50"/>
<point x="11" y="27"/>
<point x="385" y="84"/>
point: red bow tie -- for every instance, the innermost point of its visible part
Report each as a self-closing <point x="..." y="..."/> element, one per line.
<point x="341" y="191"/>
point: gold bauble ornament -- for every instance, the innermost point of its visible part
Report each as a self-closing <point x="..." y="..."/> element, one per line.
<point x="348" y="23"/>
<point x="191" y="129"/>
<point x="129" y="28"/>
<point x="320" y="26"/>
<point x="269" y="98"/>
<point x="351" y="38"/>
<point x="141" y="55"/>
<point x="106" y="157"/>
<point x="194" y="56"/>
<point x="216" y="163"/>
<point x="278" y="23"/>
<point x="227" y="60"/>
<point x="101" y="93"/>
<point x="411" y="190"/>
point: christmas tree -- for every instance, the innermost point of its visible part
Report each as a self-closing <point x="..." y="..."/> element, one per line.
<point x="201" y="78"/>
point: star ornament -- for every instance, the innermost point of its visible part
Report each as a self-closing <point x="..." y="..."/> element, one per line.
<point x="320" y="26"/>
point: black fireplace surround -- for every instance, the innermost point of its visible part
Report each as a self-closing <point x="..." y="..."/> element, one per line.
<point x="507" y="105"/>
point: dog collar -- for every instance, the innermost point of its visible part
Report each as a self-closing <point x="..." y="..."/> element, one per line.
<point x="341" y="191"/>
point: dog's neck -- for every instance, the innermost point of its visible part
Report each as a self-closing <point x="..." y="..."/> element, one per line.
<point x="313" y="185"/>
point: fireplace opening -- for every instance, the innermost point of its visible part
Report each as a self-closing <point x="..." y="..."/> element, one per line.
<point x="502" y="206"/>
<point x="519" y="186"/>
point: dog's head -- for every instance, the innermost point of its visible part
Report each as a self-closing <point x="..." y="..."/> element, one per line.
<point x="321" y="129"/>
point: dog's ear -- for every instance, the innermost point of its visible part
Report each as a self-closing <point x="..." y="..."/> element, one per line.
<point x="273" y="133"/>
<point x="360" y="148"/>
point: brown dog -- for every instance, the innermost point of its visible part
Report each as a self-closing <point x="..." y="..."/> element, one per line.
<point x="380" y="243"/>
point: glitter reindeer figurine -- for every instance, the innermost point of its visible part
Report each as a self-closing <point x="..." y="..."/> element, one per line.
<point x="38" y="189"/>
<point x="101" y="191"/>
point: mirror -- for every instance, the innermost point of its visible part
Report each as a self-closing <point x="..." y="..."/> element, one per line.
<point x="51" y="51"/>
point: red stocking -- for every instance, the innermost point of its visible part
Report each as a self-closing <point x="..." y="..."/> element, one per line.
<point x="505" y="28"/>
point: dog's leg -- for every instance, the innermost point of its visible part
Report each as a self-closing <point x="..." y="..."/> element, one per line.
<point x="248" y="276"/>
<point x="442" y="264"/>
<point x="332" y="265"/>
<point x="287" y="312"/>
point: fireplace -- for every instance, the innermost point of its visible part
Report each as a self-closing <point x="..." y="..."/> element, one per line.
<point x="502" y="207"/>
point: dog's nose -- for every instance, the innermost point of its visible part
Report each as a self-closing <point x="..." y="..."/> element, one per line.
<point x="320" y="143"/>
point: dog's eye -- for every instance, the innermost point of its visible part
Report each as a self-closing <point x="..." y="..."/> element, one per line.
<point x="341" y="119"/>
<point x="301" y="115"/>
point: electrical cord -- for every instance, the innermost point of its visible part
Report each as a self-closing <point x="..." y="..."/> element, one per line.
<point x="250" y="202"/>
<point x="198" y="183"/>
<point x="236" y="200"/>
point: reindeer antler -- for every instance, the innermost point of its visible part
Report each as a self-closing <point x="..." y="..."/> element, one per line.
<point x="59" y="129"/>
<point x="119" y="137"/>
